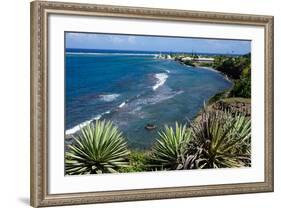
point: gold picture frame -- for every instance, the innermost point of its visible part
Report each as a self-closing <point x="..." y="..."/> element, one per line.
<point x="39" y="103"/>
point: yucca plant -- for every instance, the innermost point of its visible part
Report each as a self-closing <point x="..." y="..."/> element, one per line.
<point x="170" y="146"/>
<point x="219" y="140"/>
<point x="98" y="148"/>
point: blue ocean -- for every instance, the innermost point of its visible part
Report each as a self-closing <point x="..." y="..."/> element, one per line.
<point x="133" y="89"/>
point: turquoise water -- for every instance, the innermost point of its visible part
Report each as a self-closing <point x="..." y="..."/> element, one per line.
<point x="132" y="90"/>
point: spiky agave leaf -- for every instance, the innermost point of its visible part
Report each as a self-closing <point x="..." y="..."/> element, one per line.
<point x="170" y="146"/>
<point x="98" y="148"/>
<point x="224" y="139"/>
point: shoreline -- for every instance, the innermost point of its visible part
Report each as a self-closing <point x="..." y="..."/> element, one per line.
<point x="208" y="68"/>
<point x="198" y="66"/>
<point x="219" y="72"/>
<point x="160" y="80"/>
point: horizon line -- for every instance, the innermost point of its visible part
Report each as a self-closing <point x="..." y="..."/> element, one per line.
<point x="195" y="52"/>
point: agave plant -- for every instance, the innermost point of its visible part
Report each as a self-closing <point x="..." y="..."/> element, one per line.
<point x="219" y="140"/>
<point x="98" y="148"/>
<point x="169" y="148"/>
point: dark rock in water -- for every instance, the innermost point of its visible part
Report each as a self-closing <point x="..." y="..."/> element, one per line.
<point x="150" y="127"/>
<point x="69" y="136"/>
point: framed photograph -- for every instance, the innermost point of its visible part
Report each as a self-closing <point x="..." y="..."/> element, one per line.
<point x="142" y="103"/>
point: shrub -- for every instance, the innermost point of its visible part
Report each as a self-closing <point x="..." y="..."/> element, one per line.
<point x="138" y="162"/>
<point x="242" y="88"/>
<point x="98" y="148"/>
<point x="189" y="63"/>
<point x="219" y="140"/>
<point x="170" y="146"/>
<point x="233" y="67"/>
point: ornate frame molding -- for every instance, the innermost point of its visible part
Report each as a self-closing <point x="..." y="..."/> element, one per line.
<point x="39" y="103"/>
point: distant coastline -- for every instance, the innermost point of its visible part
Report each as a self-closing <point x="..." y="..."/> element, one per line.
<point x="97" y="51"/>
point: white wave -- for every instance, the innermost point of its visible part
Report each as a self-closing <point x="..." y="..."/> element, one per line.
<point x="168" y="71"/>
<point x="162" y="97"/>
<point x="77" y="127"/>
<point x="161" y="79"/>
<point x="85" y="123"/>
<point x="97" y="117"/>
<point x="159" y="97"/>
<point x="109" y="98"/>
<point x="122" y="105"/>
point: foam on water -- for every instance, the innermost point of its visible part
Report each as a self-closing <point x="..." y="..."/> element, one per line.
<point x="109" y="98"/>
<point x="122" y="105"/>
<point x="161" y="79"/>
<point x="77" y="127"/>
<point x="85" y="123"/>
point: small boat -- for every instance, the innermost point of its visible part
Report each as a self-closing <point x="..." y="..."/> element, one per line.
<point x="150" y="127"/>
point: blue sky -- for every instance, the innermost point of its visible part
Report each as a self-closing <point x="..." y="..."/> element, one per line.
<point x="154" y="43"/>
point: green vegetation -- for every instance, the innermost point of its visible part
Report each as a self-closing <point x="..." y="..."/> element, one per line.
<point x="138" y="162"/>
<point x="189" y="63"/>
<point x="205" y="64"/>
<point x="233" y="66"/>
<point x="242" y="88"/>
<point x="98" y="148"/>
<point x="170" y="146"/>
<point x="239" y="69"/>
<point x="219" y="138"/>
